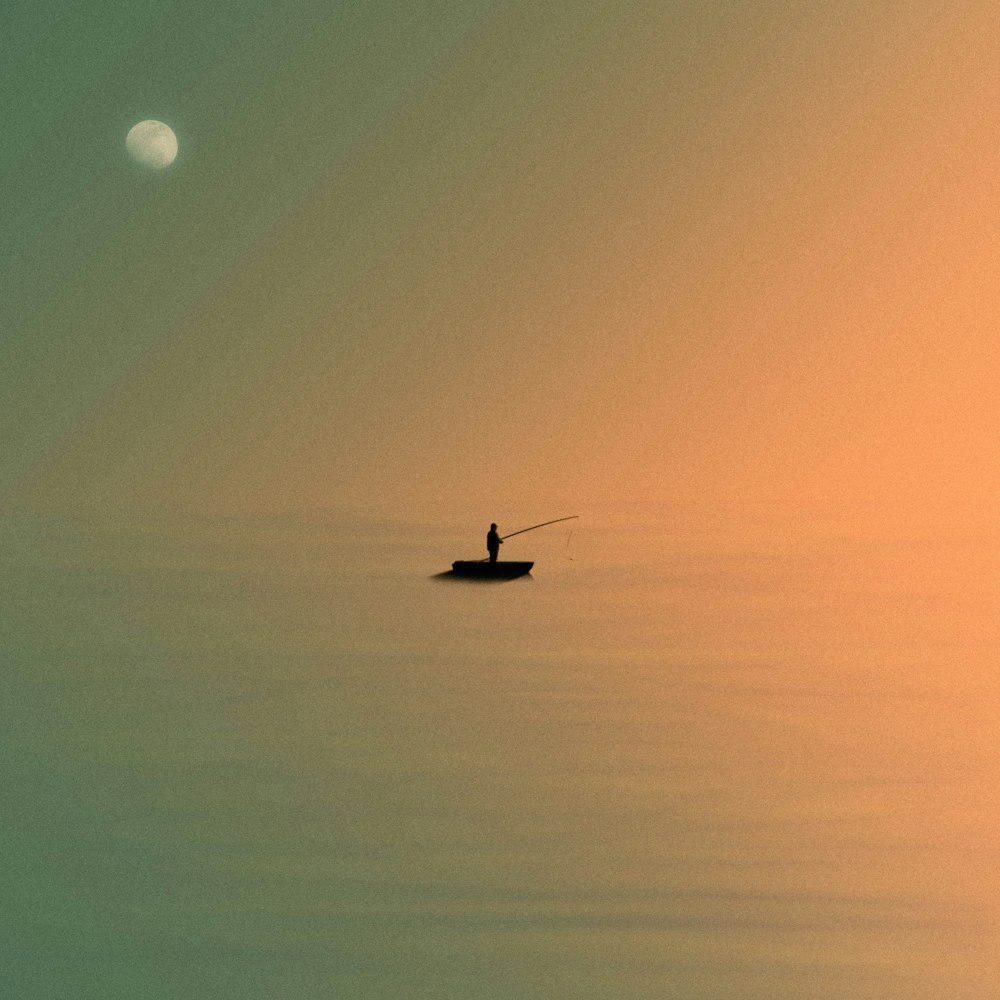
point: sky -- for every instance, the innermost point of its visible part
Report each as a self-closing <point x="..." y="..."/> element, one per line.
<point x="434" y="259"/>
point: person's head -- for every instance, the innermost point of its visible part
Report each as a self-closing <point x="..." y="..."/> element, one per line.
<point x="493" y="527"/>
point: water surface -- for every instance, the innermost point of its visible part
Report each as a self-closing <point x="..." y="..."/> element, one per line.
<point x="258" y="759"/>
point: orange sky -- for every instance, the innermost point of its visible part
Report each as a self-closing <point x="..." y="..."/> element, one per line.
<point x="536" y="261"/>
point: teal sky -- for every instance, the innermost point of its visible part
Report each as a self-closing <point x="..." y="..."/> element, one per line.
<point x="115" y="272"/>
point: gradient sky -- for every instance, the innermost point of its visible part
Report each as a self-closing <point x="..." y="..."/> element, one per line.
<point x="471" y="257"/>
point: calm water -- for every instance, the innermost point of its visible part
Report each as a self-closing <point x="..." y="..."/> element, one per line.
<point x="258" y="760"/>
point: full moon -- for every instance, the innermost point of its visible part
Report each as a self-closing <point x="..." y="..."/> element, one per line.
<point x="152" y="144"/>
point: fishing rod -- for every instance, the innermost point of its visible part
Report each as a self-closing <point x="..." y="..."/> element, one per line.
<point x="572" y="517"/>
<point x="521" y="531"/>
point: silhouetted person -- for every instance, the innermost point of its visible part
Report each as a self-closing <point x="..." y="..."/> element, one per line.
<point x="493" y="543"/>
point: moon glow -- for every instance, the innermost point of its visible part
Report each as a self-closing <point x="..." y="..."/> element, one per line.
<point x="152" y="144"/>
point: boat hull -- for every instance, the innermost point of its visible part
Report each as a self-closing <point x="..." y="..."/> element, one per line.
<point x="491" y="571"/>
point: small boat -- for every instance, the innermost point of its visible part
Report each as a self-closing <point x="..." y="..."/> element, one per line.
<point x="483" y="570"/>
